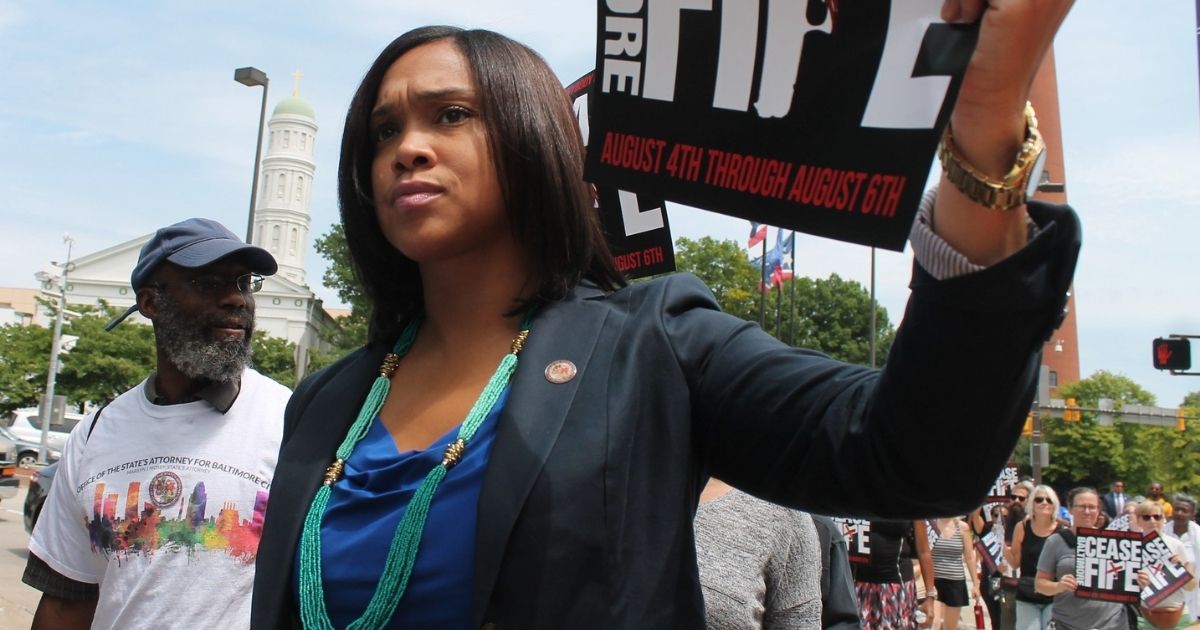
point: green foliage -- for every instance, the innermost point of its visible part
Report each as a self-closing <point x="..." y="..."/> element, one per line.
<point x="723" y="266"/>
<point x="351" y="331"/>
<point x="104" y="364"/>
<point x="274" y="357"/>
<point x="1085" y="453"/>
<point x="831" y="315"/>
<point x="24" y="359"/>
<point x="1192" y="400"/>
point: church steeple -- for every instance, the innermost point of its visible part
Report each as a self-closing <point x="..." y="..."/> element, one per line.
<point x="282" y="217"/>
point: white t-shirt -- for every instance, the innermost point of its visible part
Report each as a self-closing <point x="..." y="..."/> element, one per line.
<point x="163" y="507"/>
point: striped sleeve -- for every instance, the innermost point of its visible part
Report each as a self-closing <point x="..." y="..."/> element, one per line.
<point x="935" y="255"/>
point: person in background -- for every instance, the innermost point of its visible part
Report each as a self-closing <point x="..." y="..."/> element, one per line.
<point x="760" y="564"/>
<point x="1017" y="509"/>
<point x="1151" y="519"/>
<point x="1013" y="519"/>
<point x="202" y="430"/>
<point x="1033" y="609"/>
<point x="839" y="604"/>
<point x="885" y="585"/>
<point x="951" y="549"/>
<point x="1056" y="573"/>
<point x="1114" y="501"/>
<point x="983" y="520"/>
<point x="1156" y="495"/>
<point x="1184" y="527"/>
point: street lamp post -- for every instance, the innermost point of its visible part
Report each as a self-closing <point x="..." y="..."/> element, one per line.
<point x="251" y="77"/>
<point x="52" y="375"/>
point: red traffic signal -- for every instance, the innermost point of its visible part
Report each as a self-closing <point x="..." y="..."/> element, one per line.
<point x="1172" y="354"/>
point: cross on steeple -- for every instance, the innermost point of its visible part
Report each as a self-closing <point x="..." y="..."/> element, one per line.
<point x="296" y="82"/>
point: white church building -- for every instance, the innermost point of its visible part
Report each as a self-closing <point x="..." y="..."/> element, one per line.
<point x="285" y="307"/>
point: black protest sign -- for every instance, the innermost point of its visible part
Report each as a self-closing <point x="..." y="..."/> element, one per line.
<point x="1001" y="491"/>
<point x="857" y="533"/>
<point x="1106" y="565"/>
<point x="814" y="115"/>
<point x="1166" y="576"/>
<point x="991" y="552"/>
<point x="635" y="226"/>
<point x="1154" y="549"/>
<point x="1120" y="524"/>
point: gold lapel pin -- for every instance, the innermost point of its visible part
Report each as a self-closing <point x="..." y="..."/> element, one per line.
<point x="560" y="371"/>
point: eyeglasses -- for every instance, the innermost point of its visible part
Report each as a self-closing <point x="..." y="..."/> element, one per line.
<point x="1041" y="499"/>
<point x="1156" y="517"/>
<point x="215" y="285"/>
<point x="1018" y="497"/>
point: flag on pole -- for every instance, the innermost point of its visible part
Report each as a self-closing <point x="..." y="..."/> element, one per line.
<point x="758" y="231"/>
<point x="783" y="264"/>
<point x="778" y="265"/>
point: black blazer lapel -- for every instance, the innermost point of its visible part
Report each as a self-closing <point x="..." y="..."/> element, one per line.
<point x="529" y="426"/>
<point x="308" y="452"/>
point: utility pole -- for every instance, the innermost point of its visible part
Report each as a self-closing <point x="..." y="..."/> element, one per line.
<point x="1038" y="450"/>
<point x="48" y="404"/>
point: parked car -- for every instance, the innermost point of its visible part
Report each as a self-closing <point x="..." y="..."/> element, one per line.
<point x="39" y="488"/>
<point x="25" y="424"/>
<point x="26" y="451"/>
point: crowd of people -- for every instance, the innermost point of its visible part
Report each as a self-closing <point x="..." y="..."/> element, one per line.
<point x="920" y="574"/>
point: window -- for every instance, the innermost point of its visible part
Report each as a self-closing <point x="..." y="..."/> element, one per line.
<point x="287" y="136"/>
<point x="299" y="188"/>
<point x="275" y="234"/>
<point x="1053" y="378"/>
<point x="294" y="242"/>
<point x="303" y="141"/>
<point x="279" y="188"/>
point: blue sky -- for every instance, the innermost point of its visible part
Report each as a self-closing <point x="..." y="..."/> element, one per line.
<point x="117" y="118"/>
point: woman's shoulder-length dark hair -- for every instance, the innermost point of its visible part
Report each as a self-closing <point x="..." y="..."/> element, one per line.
<point x="534" y="141"/>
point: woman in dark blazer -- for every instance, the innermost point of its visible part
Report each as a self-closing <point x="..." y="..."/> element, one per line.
<point x="574" y="478"/>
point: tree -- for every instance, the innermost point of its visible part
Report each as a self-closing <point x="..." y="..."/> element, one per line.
<point x="24" y="360"/>
<point x="723" y="266"/>
<point x="351" y="331"/>
<point x="1191" y="400"/>
<point x="832" y="315"/>
<point x="1085" y="453"/>
<point x="274" y="357"/>
<point x="103" y="364"/>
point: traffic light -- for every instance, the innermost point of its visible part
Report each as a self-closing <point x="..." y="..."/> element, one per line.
<point x="1071" y="412"/>
<point x="1027" y="430"/>
<point x="1172" y="354"/>
<point x="1180" y="420"/>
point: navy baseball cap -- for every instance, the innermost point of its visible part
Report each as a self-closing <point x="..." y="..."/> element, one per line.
<point x="193" y="243"/>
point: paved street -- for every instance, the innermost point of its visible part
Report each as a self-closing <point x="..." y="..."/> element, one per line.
<point x="17" y="601"/>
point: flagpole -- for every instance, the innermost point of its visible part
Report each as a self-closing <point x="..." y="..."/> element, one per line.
<point x="792" y="290"/>
<point x="779" y="309"/>
<point x="762" y="293"/>
<point x="873" y="334"/>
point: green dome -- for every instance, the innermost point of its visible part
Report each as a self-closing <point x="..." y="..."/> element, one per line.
<point x="296" y="106"/>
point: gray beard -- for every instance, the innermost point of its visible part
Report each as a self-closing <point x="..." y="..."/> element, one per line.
<point x="184" y="341"/>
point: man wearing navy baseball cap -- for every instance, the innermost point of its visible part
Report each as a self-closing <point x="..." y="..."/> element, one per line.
<point x="156" y="508"/>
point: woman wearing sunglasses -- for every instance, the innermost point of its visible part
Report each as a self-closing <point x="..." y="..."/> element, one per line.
<point x="1033" y="608"/>
<point x="1170" y="612"/>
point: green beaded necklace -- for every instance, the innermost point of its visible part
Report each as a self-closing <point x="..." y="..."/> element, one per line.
<point x="406" y="541"/>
